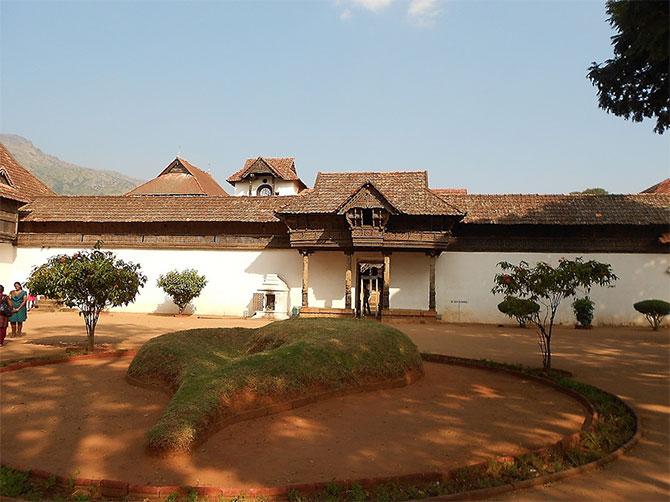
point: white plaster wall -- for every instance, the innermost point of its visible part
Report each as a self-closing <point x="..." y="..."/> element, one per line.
<point x="409" y="281"/>
<point x="326" y="279"/>
<point x="7" y="257"/>
<point x="233" y="276"/>
<point x="281" y="186"/>
<point x="469" y="277"/>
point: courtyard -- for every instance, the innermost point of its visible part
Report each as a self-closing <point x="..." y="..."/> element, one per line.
<point x="630" y="362"/>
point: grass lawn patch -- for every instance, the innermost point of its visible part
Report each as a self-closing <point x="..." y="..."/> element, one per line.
<point x="218" y="374"/>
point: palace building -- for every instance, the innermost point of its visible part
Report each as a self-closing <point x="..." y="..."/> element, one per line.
<point x="276" y="246"/>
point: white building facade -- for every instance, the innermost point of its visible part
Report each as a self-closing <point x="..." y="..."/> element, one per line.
<point x="463" y="280"/>
<point x="354" y="238"/>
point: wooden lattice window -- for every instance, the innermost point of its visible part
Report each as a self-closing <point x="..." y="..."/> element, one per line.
<point x="356" y="217"/>
<point x="367" y="217"/>
<point x="379" y="217"/>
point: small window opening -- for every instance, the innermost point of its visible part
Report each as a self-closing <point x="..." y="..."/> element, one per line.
<point x="367" y="216"/>
<point x="364" y="217"/>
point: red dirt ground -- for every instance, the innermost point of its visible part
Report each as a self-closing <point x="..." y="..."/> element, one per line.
<point x="83" y="419"/>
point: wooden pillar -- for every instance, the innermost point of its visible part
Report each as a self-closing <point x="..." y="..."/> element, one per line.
<point x="432" y="257"/>
<point x="348" y="257"/>
<point x="387" y="281"/>
<point x="305" y="276"/>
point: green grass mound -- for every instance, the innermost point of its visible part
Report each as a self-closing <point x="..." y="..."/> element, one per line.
<point x="217" y="374"/>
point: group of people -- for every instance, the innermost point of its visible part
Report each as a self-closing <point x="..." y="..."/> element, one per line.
<point x="13" y="310"/>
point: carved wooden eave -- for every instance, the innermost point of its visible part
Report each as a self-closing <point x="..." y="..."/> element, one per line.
<point x="342" y="239"/>
<point x="366" y="219"/>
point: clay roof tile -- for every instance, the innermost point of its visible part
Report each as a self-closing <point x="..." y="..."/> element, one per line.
<point x="577" y="209"/>
<point x="180" y="177"/>
<point x="407" y="191"/>
<point x="22" y="185"/>
<point x="662" y="187"/>
<point x="282" y="167"/>
<point x="113" y="209"/>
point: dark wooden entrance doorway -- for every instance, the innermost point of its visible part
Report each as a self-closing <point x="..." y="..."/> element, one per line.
<point x="370" y="286"/>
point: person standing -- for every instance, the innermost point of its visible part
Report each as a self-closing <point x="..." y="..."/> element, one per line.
<point x="366" y="299"/>
<point x="6" y="309"/>
<point x="19" y="300"/>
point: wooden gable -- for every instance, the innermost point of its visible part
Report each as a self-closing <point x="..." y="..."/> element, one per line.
<point x="176" y="167"/>
<point x="5" y="179"/>
<point x="260" y="167"/>
<point x="367" y="197"/>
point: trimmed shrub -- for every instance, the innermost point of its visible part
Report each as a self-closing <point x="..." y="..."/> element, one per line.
<point x="583" y="309"/>
<point x="654" y="311"/>
<point x="182" y="286"/>
<point x="519" y="309"/>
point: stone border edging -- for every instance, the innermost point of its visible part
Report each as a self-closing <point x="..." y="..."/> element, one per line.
<point x="547" y="478"/>
<point x="122" y="490"/>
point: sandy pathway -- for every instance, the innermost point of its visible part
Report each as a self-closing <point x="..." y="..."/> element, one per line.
<point x="631" y="362"/>
<point x="45" y="331"/>
<point x="83" y="418"/>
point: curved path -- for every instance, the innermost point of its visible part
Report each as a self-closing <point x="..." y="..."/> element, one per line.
<point x="633" y="363"/>
<point x="84" y="419"/>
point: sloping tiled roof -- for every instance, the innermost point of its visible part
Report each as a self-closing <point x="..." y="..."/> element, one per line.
<point x="576" y="209"/>
<point x="282" y="167"/>
<point x="406" y="191"/>
<point x="449" y="191"/>
<point x="171" y="181"/>
<point x="641" y="209"/>
<point x="153" y="209"/>
<point x="24" y="186"/>
<point x="662" y="187"/>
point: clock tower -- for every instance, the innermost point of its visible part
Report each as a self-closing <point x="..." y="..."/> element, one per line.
<point x="266" y="177"/>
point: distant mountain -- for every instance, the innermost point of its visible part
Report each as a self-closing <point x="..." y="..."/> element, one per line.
<point x="63" y="177"/>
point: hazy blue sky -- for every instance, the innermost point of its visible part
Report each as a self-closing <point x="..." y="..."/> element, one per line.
<point x="491" y="96"/>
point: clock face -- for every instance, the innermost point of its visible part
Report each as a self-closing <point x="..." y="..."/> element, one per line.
<point x="265" y="191"/>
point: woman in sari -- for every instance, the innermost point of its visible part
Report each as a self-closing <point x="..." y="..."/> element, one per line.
<point x="19" y="299"/>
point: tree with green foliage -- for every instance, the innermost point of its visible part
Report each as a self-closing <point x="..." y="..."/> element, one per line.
<point x="182" y="286"/>
<point x="591" y="191"/>
<point x="654" y="311"/>
<point x="634" y="83"/>
<point x="519" y="309"/>
<point x="90" y="281"/>
<point x="548" y="286"/>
